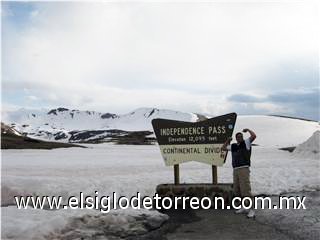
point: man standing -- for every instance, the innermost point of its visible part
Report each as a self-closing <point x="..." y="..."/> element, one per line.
<point x="241" y="154"/>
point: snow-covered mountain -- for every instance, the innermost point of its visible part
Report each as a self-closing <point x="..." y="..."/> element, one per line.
<point x="67" y="125"/>
<point x="63" y="124"/>
<point x="63" y="118"/>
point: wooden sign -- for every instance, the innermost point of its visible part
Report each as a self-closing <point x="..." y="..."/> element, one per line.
<point x="194" y="141"/>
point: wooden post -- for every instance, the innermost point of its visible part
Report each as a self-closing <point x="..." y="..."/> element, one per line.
<point x="176" y="174"/>
<point x="214" y="174"/>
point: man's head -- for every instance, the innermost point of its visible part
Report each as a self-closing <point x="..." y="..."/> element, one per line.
<point x="239" y="137"/>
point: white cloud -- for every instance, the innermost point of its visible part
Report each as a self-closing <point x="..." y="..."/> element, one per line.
<point x="270" y="108"/>
<point x="33" y="98"/>
<point x="186" y="56"/>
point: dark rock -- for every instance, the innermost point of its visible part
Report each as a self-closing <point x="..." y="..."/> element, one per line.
<point x="60" y="135"/>
<point x="60" y="109"/>
<point x="289" y="149"/>
<point x="108" y="115"/>
<point x="54" y="111"/>
<point x="152" y="112"/>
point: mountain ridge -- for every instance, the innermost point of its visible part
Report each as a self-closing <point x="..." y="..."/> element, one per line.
<point x="71" y="125"/>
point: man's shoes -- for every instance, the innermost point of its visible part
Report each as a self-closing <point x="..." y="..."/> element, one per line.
<point x="241" y="210"/>
<point x="251" y="213"/>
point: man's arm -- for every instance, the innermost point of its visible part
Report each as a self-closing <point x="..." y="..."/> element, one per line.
<point x="252" y="134"/>
<point x="224" y="146"/>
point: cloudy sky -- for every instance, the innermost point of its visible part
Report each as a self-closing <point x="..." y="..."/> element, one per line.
<point x="209" y="57"/>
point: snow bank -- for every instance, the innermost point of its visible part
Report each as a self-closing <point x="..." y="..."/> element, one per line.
<point x="126" y="170"/>
<point x="309" y="148"/>
<point x="108" y="168"/>
<point x="77" y="224"/>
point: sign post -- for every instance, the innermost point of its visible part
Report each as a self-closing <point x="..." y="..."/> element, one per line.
<point x="176" y="174"/>
<point x="214" y="174"/>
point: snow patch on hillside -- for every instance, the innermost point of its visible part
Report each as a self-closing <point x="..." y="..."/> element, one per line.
<point x="309" y="148"/>
<point x="275" y="131"/>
